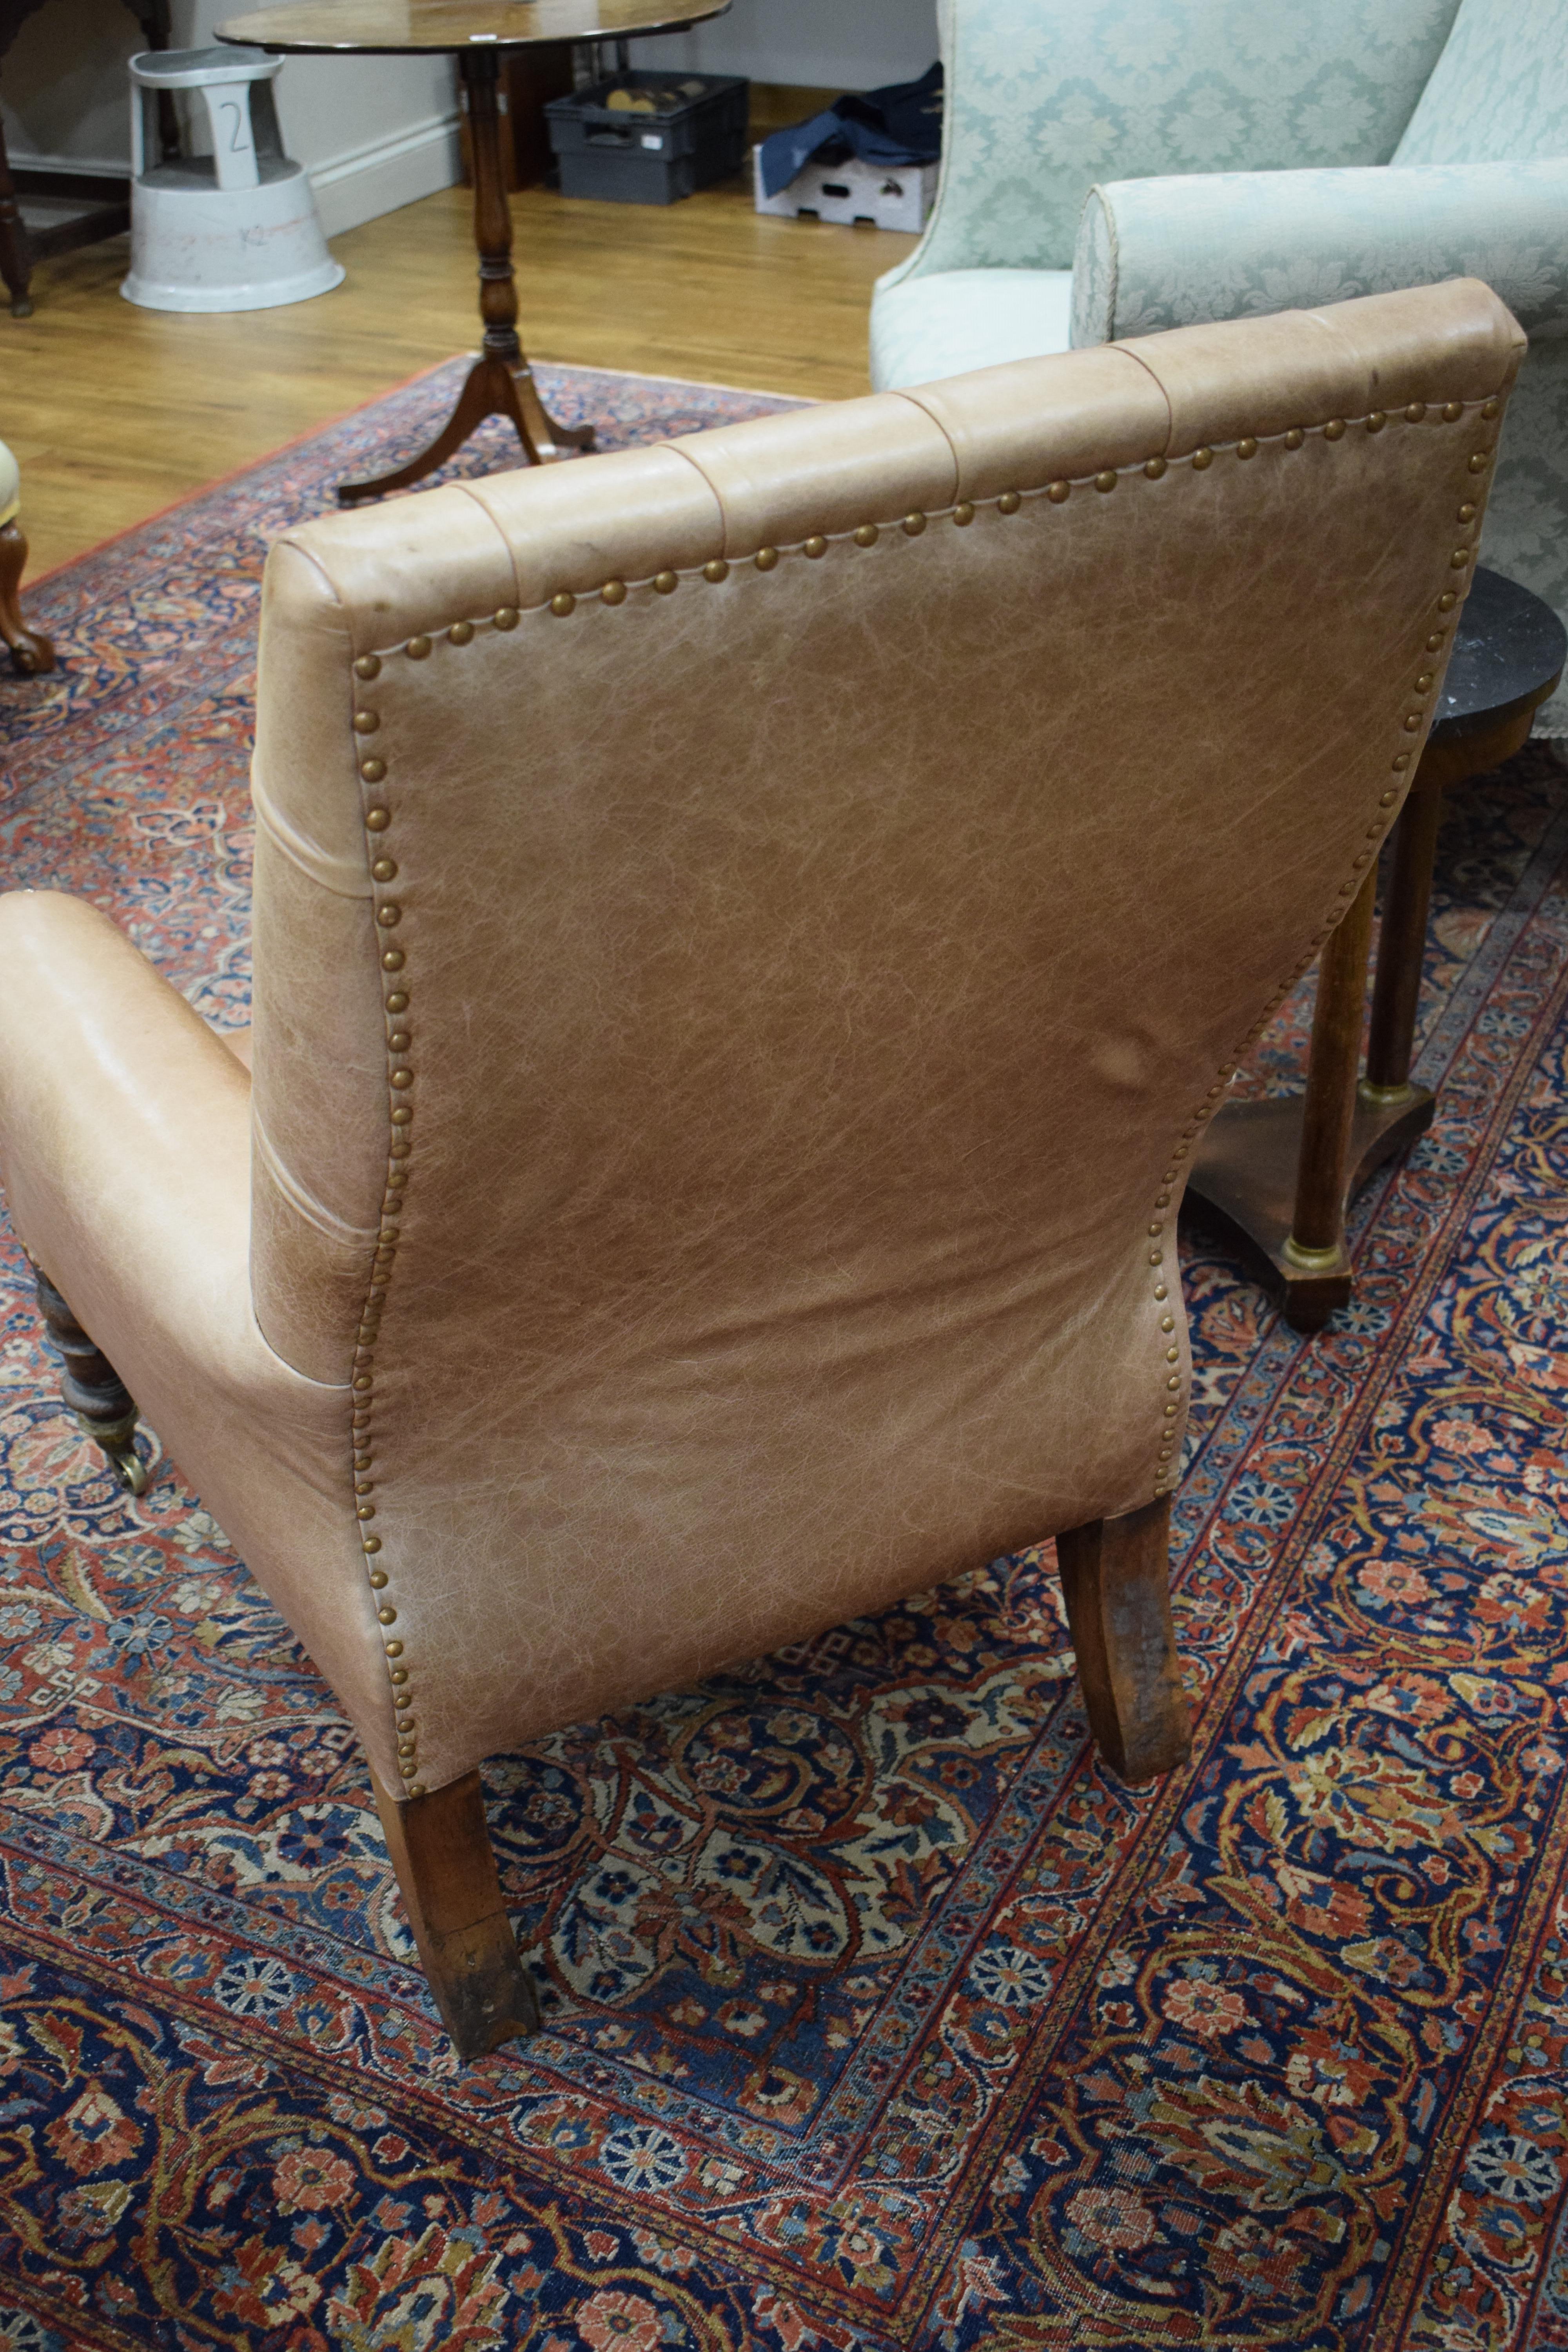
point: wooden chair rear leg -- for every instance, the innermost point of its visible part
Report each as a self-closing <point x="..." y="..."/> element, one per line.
<point x="31" y="651"/>
<point x="103" y="1405"/>
<point x="446" y="1867"/>
<point x="1116" y="1579"/>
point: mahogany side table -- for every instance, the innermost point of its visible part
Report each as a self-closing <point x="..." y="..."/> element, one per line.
<point x="476" y="32"/>
<point x="1275" y="1177"/>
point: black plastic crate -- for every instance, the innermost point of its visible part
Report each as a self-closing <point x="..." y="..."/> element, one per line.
<point x="624" y="158"/>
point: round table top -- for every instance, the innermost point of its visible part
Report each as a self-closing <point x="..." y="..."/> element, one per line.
<point x="1508" y="653"/>
<point x="396" y="25"/>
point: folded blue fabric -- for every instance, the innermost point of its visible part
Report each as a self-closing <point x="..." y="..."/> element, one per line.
<point x="901" y="124"/>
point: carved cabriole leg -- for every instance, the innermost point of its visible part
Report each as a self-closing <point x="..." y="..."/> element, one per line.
<point x="30" y="650"/>
<point x="446" y="1867"/>
<point x="1116" y="1579"/>
<point x="103" y="1405"/>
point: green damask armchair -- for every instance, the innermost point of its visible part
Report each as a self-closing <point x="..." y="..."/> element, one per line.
<point x="1109" y="172"/>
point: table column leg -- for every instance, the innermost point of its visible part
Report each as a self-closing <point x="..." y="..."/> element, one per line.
<point x="501" y="381"/>
<point x="1401" y="948"/>
<point x="1316" y="1242"/>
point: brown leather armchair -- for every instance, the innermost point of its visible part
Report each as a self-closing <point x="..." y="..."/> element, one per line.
<point x="747" y="933"/>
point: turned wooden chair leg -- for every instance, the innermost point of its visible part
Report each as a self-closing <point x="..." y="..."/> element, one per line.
<point x="103" y="1405"/>
<point x="1116" y="1579"/>
<point x="32" y="651"/>
<point x="446" y="1867"/>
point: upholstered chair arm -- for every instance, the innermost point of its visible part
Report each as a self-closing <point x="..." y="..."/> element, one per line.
<point x="1180" y="252"/>
<point x="125" y="1151"/>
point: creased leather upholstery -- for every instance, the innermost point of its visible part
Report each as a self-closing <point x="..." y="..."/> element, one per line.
<point x="723" y="1157"/>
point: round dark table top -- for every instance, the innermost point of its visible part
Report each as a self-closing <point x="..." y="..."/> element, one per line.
<point x="392" y="28"/>
<point x="1509" y="654"/>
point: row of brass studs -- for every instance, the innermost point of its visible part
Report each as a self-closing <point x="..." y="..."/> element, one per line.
<point x="565" y="602"/>
<point x="400" y="1081"/>
<point x="1165" y="1475"/>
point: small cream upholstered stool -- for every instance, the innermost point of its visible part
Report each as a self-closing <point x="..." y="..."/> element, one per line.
<point x="235" y="230"/>
<point x="31" y="653"/>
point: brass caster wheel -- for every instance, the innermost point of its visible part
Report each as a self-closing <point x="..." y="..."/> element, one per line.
<point x="128" y="1467"/>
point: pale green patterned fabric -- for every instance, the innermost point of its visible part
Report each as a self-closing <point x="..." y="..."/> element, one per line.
<point x="1500" y="91"/>
<point x="1045" y="97"/>
<point x="1170" y="253"/>
<point x="964" y="319"/>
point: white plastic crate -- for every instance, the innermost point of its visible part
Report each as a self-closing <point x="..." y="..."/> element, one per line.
<point x="890" y="196"/>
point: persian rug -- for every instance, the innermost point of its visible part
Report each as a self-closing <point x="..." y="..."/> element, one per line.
<point x="878" y="2014"/>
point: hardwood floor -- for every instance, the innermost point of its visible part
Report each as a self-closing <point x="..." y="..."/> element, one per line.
<point x="114" y="412"/>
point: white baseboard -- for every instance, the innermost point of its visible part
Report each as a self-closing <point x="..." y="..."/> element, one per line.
<point x="387" y="172"/>
<point x="353" y="188"/>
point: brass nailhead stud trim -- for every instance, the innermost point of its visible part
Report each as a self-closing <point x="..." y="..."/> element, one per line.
<point x="1447" y="599"/>
<point x="1058" y="493"/>
<point x="613" y="592"/>
<point x="365" y="1511"/>
<point x="1294" y="439"/>
<point x="1174" y="1382"/>
<point x="1009" y="502"/>
<point x="1467" y="512"/>
<point x="562" y="602"/>
<point x="1169" y="1412"/>
<point x="408" y="1771"/>
<point x="1247" y="446"/>
<point x="1161" y="1291"/>
<point x="1201" y="460"/>
<point x="393" y="1649"/>
<point x="1347" y="889"/>
<point x="398" y="1674"/>
<point x="371" y="1543"/>
<point x="1156" y="1258"/>
<point x="716" y="570"/>
<point x="1435" y="641"/>
<point x="394" y="960"/>
<point x="402" y="1698"/>
<point x="372" y="770"/>
<point x="815" y="546"/>
<point x="506" y="617"/>
<point x="367" y="666"/>
<point x="378" y="1578"/>
<point x="914" y="522"/>
<point x="1490" y="408"/>
<point x="765" y="558"/>
<point x="363" y="1381"/>
<point x="376" y="820"/>
<point x="1452" y="411"/>
<point x="1154" y="467"/>
<point x="399" y="1045"/>
<point x="1459" y="558"/>
<point x="866" y="534"/>
<point x="387" y="1616"/>
<point x="402" y="1116"/>
<point x="384" y="869"/>
<point x="665" y="583"/>
<point x="1423" y="681"/>
<point x="1412" y="722"/>
<point x="1477" y="463"/>
<point x="365" y="722"/>
<point x="459" y="632"/>
<point x="398" y="1001"/>
<point x="403" y="1077"/>
<point x="1376" y="421"/>
<point x="417" y="648"/>
<point x="1416" y="412"/>
<point x="1155" y="1231"/>
<point x="389" y="917"/>
<point x="1403" y="761"/>
<point x="1387" y="800"/>
<point x="962" y="513"/>
<point x="1334" y="429"/>
<point x="1106" y="481"/>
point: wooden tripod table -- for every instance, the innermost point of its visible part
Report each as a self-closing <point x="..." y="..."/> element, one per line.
<point x="1277" y="1176"/>
<point x="501" y="381"/>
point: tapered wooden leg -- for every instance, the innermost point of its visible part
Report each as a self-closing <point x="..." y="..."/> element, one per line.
<point x="446" y="1867"/>
<point x="1116" y="1579"/>
<point x="30" y="650"/>
<point x="103" y="1405"/>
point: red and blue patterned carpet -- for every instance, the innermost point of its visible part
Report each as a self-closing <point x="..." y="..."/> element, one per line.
<point x="878" y="2015"/>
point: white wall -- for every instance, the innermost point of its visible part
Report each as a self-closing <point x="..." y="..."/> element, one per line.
<point x="373" y="133"/>
<point x="831" y="44"/>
